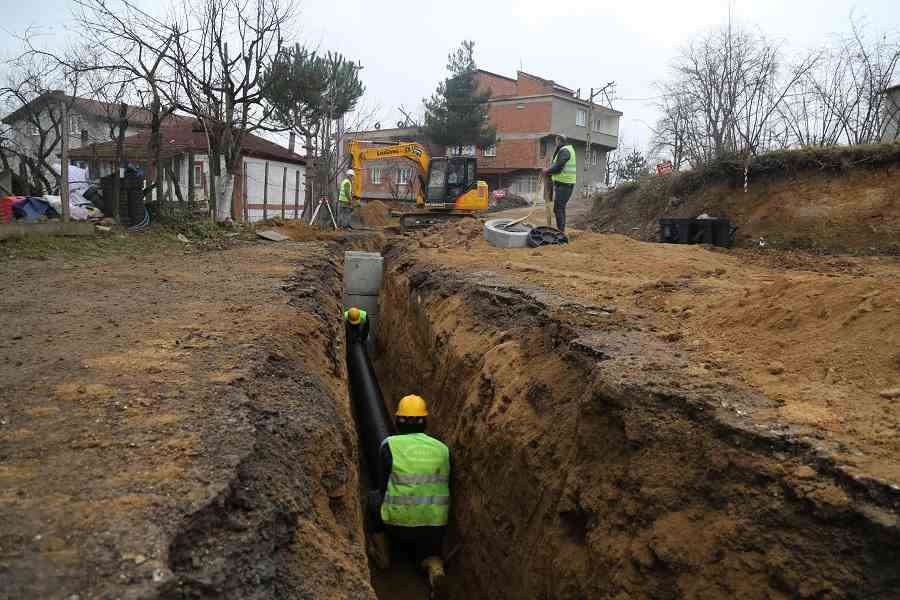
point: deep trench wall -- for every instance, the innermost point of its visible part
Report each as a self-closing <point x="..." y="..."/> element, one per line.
<point x="289" y="524"/>
<point x="580" y="472"/>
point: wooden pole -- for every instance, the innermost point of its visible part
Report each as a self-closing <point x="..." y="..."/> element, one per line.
<point x="191" y="183"/>
<point x="266" y="193"/>
<point x="283" y="189"/>
<point x="246" y="209"/>
<point x="64" y="158"/>
<point x="296" y="192"/>
<point x="169" y="194"/>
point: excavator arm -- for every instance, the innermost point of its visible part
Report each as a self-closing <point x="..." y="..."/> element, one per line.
<point x="411" y="151"/>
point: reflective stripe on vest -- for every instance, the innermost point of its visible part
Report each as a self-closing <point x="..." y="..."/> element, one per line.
<point x="414" y="479"/>
<point x="569" y="170"/>
<point x="345" y="191"/>
<point x="416" y="499"/>
<point x="418" y="491"/>
<point x="362" y="316"/>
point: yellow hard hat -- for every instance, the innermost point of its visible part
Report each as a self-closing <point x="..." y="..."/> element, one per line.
<point x="412" y="406"/>
<point x="354" y="316"/>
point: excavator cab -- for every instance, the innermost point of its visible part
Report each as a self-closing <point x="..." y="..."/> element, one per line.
<point x="452" y="183"/>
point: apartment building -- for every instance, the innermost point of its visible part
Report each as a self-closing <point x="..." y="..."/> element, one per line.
<point x="528" y="112"/>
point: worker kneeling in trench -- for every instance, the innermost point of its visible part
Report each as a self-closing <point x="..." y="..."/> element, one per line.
<point x="415" y="493"/>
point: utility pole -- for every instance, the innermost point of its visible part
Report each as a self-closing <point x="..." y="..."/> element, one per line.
<point x="588" y="154"/>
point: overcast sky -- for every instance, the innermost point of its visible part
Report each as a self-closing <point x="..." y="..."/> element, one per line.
<point x="403" y="44"/>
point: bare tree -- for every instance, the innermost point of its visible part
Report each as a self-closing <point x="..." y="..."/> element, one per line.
<point x="220" y="52"/>
<point x="35" y="139"/>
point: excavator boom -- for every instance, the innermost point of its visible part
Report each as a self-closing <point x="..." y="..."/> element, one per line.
<point x="448" y="186"/>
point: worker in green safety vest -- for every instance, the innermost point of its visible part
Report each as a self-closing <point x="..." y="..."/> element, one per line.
<point x="345" y="200"/>
<point x="562" y="172"/>
<point x="415" y="499"/>
<point x="357" y="323"/>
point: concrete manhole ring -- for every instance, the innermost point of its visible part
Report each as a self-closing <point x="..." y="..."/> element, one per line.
<point x="514" y="237"/>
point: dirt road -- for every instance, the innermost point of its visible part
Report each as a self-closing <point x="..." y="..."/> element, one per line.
<point x="154" y="412"/>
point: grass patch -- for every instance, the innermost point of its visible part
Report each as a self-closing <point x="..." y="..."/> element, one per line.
<point x="205" y="235"/>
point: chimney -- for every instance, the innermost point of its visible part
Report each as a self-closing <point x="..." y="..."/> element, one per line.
<point x="291" y="142"/>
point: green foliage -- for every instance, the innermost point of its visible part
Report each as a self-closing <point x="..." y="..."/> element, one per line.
<point x="456" y="114"/>
<point x="730" y="169"/>
<point x="302" y="87"/>
<point x="632" y="167"/>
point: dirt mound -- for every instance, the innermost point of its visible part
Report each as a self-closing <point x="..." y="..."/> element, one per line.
<point x="508" y="202"/>
<point x="810" y="332"/>
<point x="452" y="234"/>
<point x="375" y="213"/>
<point x="855" y="209"/>
<point x="297" y="230"/>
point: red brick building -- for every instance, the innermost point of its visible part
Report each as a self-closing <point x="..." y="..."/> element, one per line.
<point x="528" y="112"/>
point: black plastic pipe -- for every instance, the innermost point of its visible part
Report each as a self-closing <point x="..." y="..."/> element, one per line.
<point x="372" y="415"/>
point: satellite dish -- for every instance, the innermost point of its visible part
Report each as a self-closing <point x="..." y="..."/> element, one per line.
<point x="377" y="126"/>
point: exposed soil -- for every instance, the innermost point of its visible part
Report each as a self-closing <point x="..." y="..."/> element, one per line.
<point x="177" y="425"/>
<point x="621" y="428"/>
<point x="816" y="335"/>
<point x="375" y="213"/>
<point x="856" y="211"/>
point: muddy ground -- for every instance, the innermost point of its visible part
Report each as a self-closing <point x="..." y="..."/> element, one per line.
<point x="176" y="425"/>
<point x="627" y="420"/>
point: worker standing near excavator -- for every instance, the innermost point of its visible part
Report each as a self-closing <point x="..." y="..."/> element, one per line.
<point x="563" y="172"/>
<point x="415" y="491"/>
<point x="345" y="199"/>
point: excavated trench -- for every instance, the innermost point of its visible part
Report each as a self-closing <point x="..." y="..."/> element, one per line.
<point x="582" y="468"/>
<point x="584" y="465"/>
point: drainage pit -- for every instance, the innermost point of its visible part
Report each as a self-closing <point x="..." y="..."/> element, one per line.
<point x="583" y="468"/>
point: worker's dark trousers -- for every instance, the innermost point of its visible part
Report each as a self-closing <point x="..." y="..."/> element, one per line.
<point x="561" y="194"/>
<point x="419" y="542"/>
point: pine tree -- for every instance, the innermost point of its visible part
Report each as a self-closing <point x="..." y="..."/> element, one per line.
<point x="456" y="114"/>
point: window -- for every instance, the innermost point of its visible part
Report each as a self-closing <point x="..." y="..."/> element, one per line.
<point x="526" y="184"/>
<point x="468" y="150"/>
<point x="581" y="117"/>
<point x="597" y="125"/>
<point x="490" y="150"/>
<point x="403" y="175"/>
<point x="74" y="125"/>
<point x="32" y="129"/>
<point x="595" y="158"/>
<point x="198" y="175"/>
<point x="376" y="175"/>
<point x="543" y="151"/>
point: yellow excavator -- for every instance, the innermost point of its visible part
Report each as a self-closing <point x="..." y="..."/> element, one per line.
<point x="448" y="186"/>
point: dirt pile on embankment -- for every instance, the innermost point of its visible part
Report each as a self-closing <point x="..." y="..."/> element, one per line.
<point x="813" y="333"/>
<point x="594" y="456"/>
<point x="832" y="203"/>
<point x="193" y="437"/>
<point x="375" y="213"/>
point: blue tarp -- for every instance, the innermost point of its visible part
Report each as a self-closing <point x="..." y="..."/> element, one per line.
<point x="32" y="209"/>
